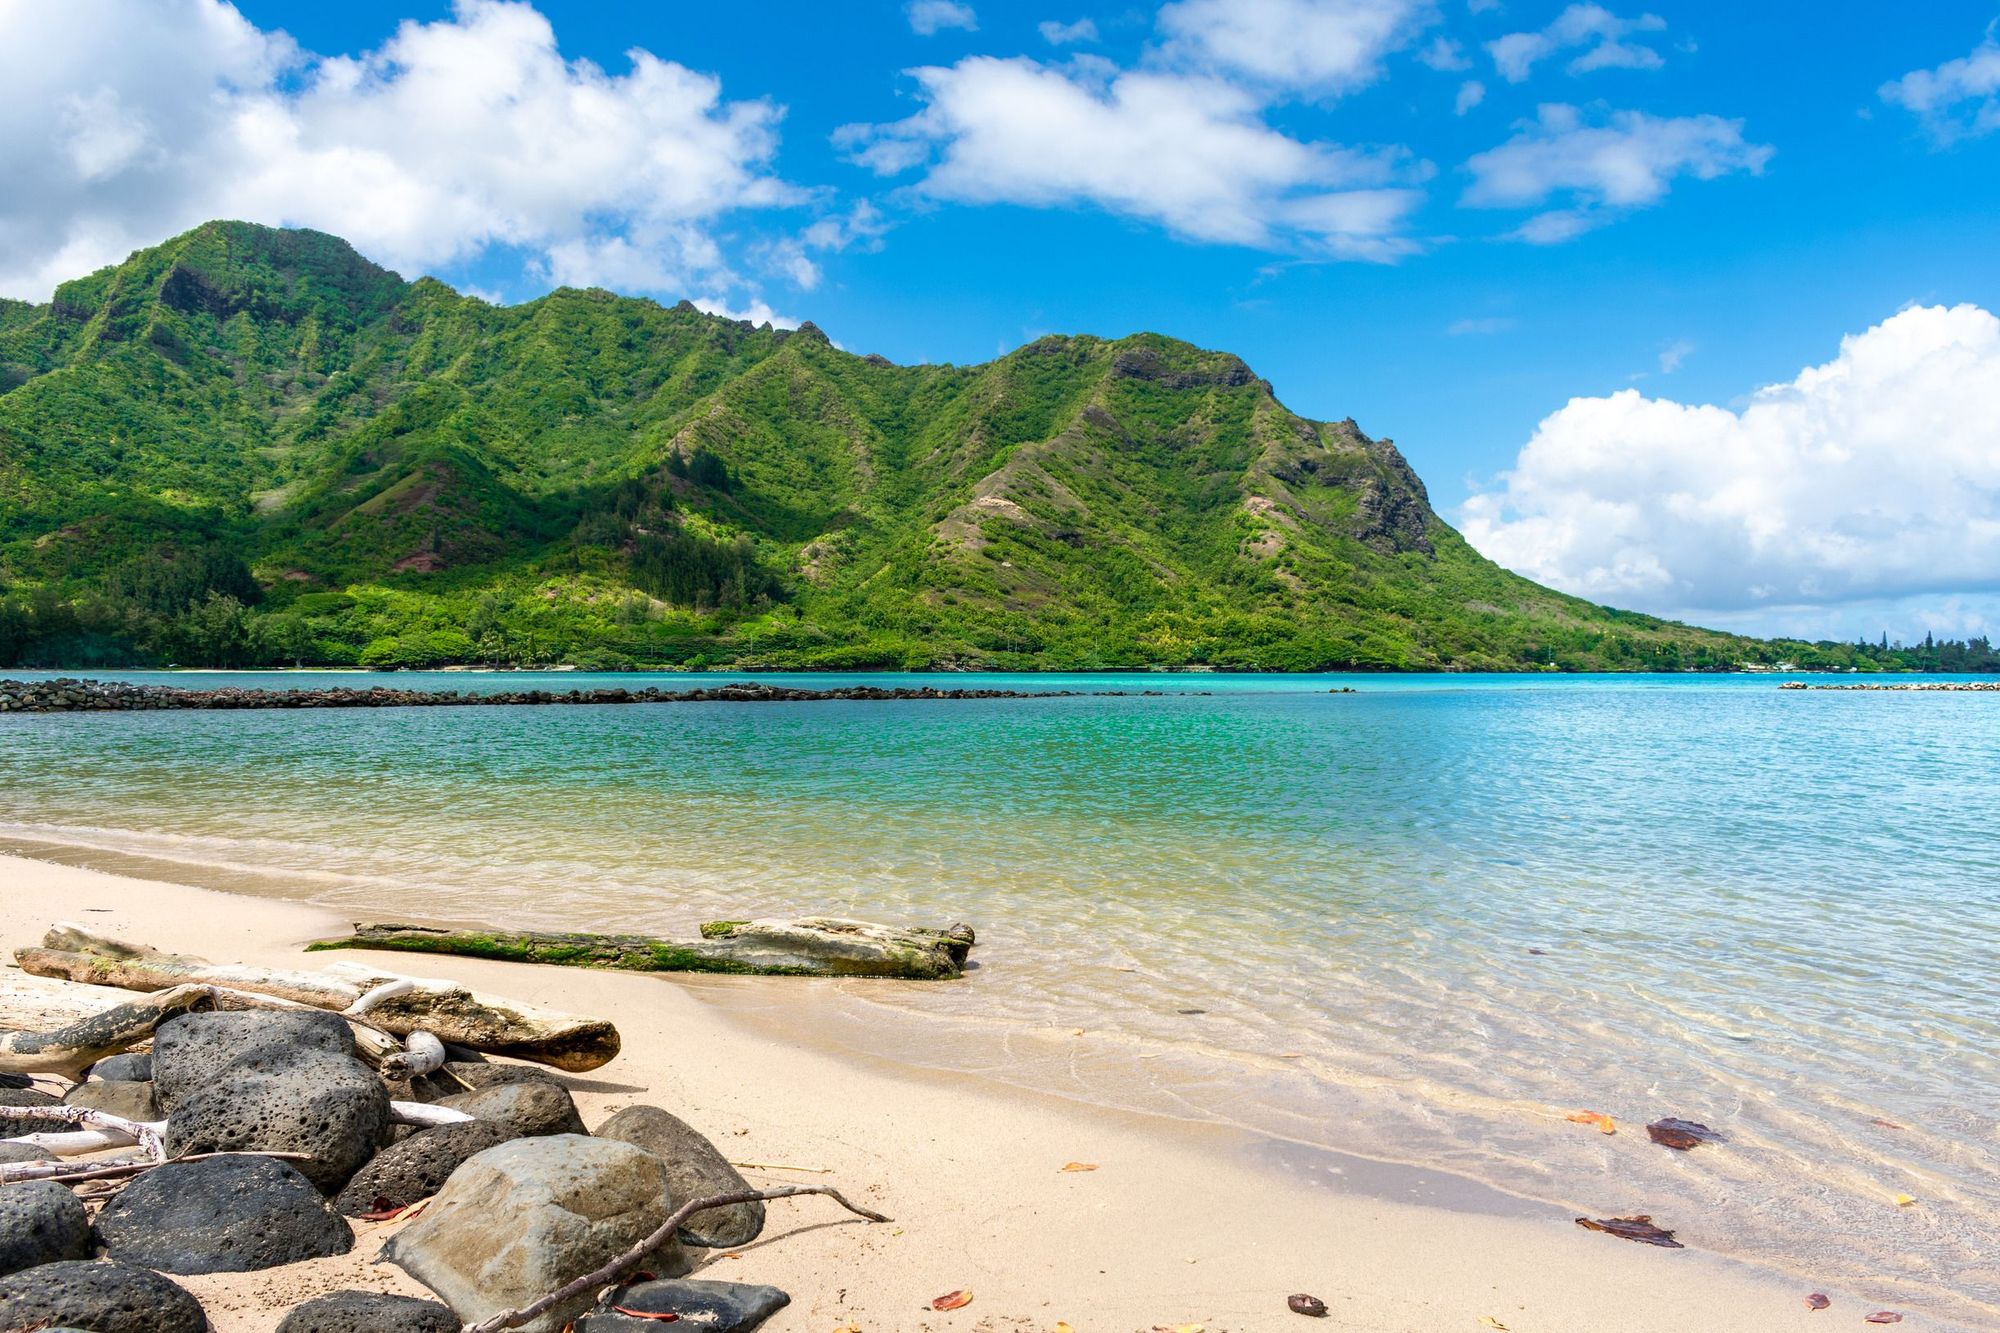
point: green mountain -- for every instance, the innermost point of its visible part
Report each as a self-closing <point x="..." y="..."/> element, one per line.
<point x="253" y="445"/>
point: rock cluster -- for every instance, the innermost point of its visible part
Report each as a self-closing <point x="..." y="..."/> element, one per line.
<point x="107" y="696"/>
<point x="1944" y="686"/>
<point x="522" y="1199"/>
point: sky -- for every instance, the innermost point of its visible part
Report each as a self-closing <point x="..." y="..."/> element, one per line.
<point x="1679" y="306"/>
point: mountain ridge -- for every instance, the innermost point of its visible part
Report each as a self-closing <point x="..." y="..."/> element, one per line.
<point x="333" y="465"/>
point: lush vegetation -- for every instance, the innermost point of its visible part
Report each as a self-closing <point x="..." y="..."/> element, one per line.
<point x="253" y="446"/>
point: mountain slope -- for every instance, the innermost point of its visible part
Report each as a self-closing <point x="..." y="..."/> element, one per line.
<point x="250" y="444"/>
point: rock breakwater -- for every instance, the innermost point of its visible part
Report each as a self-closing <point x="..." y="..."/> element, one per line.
<point x="1940" y="686"/>
<point x="109" y="696"/>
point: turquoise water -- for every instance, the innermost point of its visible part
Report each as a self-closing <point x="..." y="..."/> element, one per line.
<point x="1421" y="922"/>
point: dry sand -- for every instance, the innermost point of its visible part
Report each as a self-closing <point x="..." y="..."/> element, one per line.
<point x="1177" y="1226"/>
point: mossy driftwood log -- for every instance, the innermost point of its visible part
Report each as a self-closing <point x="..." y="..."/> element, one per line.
<point x="814" y="947"/>
<point x="442" y="1008"/>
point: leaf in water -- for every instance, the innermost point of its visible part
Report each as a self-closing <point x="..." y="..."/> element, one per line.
<point x="1639" y="1227"/>
<point x="1681" y="1135"/>
<point x="1078" y="1166"/>
<point x="1904" y="1200"/>
<point x="1308" y="1305"/>
<point x="1604" y="1123"/>
<point x="1884" y="1317"/>
<point x="630" y="1313"/>
<point x="953" y="1300"/>
<point x="1886" y="1124"/>
<point x="1817" y="1301"/>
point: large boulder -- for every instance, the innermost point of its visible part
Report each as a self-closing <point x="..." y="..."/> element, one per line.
<point x="369" y="1312"/>
<point x="222" y="1215"/>
<point x="530" y="1107"/>
<point x="99" y="1297"/>
<point x="697" y="1168"/>
<point x="133" y="1100"/>
<point x="191" y="1051"/>
<point x="330" y="1107"/>
<point x="12" y="1127"/>
<point x="41" y="1222"/>
<point x="714" y="1307"/>
<point x="418" y="1167"/>
<point x="518" y="1221"/>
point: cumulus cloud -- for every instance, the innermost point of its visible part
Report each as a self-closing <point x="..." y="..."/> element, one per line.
<point x="1315" y="47"/>
<point x="929" y="17"/>
<point x="1444" y="55"/>
<point x="1591" y="26"/>
<point x="1600" y="170"/>
<point x="1065" y="34"/>
<point x="1190" y="152"/>
<point x="861" y="227"/>
<point x="1873" y="477"/>
<point x="1960" y="99"/>
<point x="1674" y="354"/>
<point x="124" y="121"/>
<point x="1470" y="94"/>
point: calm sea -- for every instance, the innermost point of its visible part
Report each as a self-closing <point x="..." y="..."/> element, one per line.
<point x="1420" y="922"/>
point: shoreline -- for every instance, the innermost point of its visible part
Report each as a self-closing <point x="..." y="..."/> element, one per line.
<point x="1182" y="1222"/>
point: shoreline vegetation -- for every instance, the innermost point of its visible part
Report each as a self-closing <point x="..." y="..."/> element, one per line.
<point x="1019" y="1209"/>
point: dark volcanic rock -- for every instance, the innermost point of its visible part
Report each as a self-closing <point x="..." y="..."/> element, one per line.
<point x="696" y="1168"/>
<point x="530" y="1108"/>
<point x="369" y="1312"/>
<point x="134" y="1101"/>
<point x="191" y="1051"/>
<point x="41" y="1222"/>
<point x="715" y="1307"/>
<point x="418" y="1167"/>
<point x="99" y="1297"/>
<point x="11" y="1128"/>
<point x="331" y="1107"/>
<point x="21" y="1152"/>
<point x="131" y="1067"/>
<point x="223" y="1215"/>
<point x="457" y="1077"/>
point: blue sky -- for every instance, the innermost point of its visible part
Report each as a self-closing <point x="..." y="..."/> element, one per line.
<point x="1447" y="220"/>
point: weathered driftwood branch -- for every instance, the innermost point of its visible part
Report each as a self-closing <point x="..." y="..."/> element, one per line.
<point x="426" y="1115"/>
<point x="815" y="947"/>
<point x="70" y="1049"/>
<point x="112" y="1130"/>
<point x="615" y="1269"/>
<point x="75" y="1173"/>
<point x="392" y="1004"/>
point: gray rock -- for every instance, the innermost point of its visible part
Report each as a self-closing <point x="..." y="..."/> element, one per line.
<point x="714" y="1307"/>
<point x="529" y="1108"/>
<point x="369" y="1312"/>
<point x="131" y="1067"/>
<point x="696" y="1168"/>
<point x="331" y="1107"/>
<point x="418" y="1166"/>
<point x="460" y="1076"/>
<point x="16" y="1081"/>
<point x="190" y="1052"/>
<point x="99" y="1297"/>
<point x="223" y="1215"/>
<point x="134" y="1101"/>
<point x="21" y="1152"/>
<point x="522" y="1219"/>
<point x="12" y="1128"/>
<point x="41" y="1222"/>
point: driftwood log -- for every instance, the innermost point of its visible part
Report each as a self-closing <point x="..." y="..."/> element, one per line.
<point x="399" y="1006"/>
<point x="814" y="947"/>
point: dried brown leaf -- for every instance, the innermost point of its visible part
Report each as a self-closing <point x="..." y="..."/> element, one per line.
<point x="953" y="1300"/>
<point x="1817" y="1301"/>
<point x="1638" y="1227"/>
<point x="1883" y="1317"/>
<point x="1078" y="1166"/>
<point x="1306" y="1305"/>
<point x="1681" y="1135"/>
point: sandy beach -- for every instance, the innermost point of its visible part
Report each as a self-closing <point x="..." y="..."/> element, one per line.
<point x="1178" y="1226"/>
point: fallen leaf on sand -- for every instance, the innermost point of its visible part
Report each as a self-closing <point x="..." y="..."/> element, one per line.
<point x="630" y="1313"/>
<point x="953" y="1300"/>
<point x="1817" y="1301"/>
<point x="1307" y="1305"/>
<point x="1883" y="1317"/>
<point x="1681" y="1135"/>
<point x="1179" y="1328"/>
<point x="1604" y="1123"/>
<point x="848" y="1328"/>
<point x="1078" y="1166"/>
<point x="1488" y="1321"/>
<point x="1638" y="1227"/>
<point x="1904" y="1200"/>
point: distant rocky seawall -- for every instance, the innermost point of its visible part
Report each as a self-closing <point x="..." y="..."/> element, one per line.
<point x="101" y="696"/>
<point x="1959" y="686"/>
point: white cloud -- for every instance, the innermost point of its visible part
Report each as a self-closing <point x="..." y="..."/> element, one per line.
<point x="1065" y="34"/>
<point x="1674" y="354"/>
<point x="928" y="17"/>
<point x="1874" y="476"/>
<point x="1603" y="32"/>
<point x="1631" y="161"/>
<point x="1444" y="55"/>
<point x="1316" y="47"/>
<point x="1960" y="99"/>
<point x="1479" y="327"/>
<point x="861" y="227"/>
<point x="1190" y="152"/>
<point x="123" y="122"/>
<point x="756" y="312"/>
<point x="1470" y="94"/>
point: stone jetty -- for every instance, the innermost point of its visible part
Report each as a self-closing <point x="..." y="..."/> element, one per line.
<point x="1937" y="686"/>
<point x="68" y="695"/>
